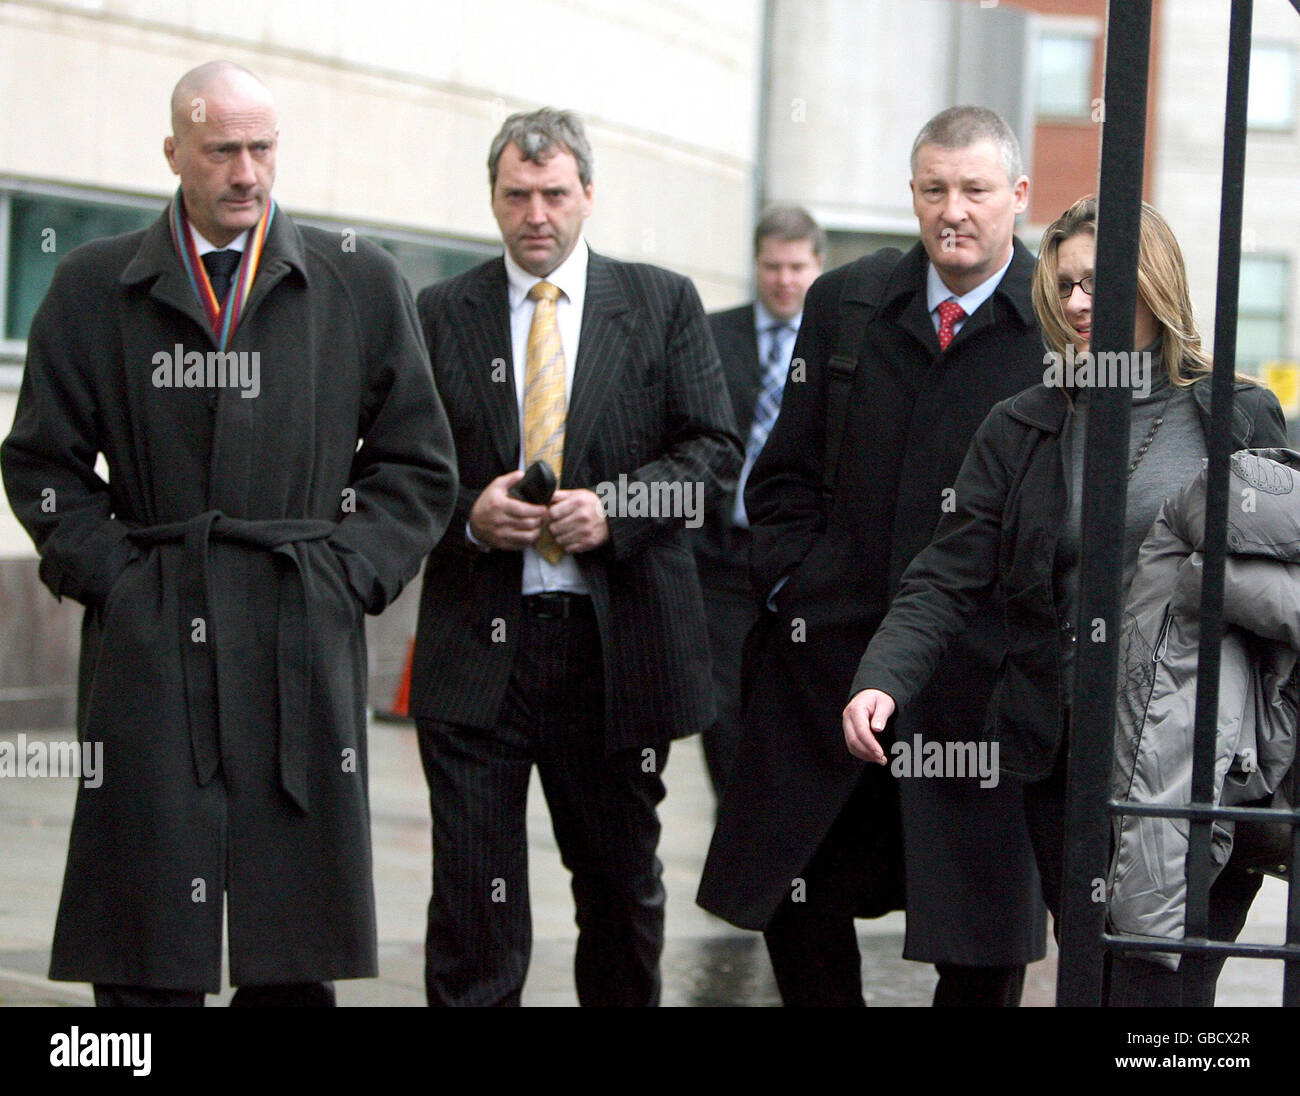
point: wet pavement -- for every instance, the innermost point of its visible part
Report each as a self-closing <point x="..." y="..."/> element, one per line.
<point x="706" y="961"/>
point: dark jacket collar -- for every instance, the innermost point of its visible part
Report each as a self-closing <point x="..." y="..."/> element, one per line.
<point x="909" y="274"/>
<point x="1046" y="408"/>
<point x="157" y="255"/>
<point x="157" y="264"/>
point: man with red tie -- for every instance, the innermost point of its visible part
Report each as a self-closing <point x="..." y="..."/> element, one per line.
<point x="847" y="490"/>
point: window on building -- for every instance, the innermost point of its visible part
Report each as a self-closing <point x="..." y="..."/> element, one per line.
<point x="843" y="246"/>
<point x="1271" y="102"/>
<point x="426" y="263"/>
<point x="1261" y="310"/>
<point x="1064" y="75"/>
<point x="42" y="230"/>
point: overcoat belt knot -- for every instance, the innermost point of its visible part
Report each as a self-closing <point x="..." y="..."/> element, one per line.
<point x="198" y="628"/>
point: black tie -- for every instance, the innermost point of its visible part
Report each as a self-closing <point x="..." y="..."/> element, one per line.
<point x="221" y="266"/>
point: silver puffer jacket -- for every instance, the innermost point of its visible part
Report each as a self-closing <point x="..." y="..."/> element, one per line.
<point x="1256" y="740"/>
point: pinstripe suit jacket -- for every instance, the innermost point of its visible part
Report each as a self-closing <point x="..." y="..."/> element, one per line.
<point x="648" y="402"/>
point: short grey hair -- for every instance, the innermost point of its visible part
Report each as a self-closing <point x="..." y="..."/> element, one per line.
<point x="789" y="223"/>
<point x="535" y="133"/>
<point x="961" y="127"/>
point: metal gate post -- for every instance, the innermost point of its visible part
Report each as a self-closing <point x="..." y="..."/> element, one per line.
<point x="1091" y="747"/>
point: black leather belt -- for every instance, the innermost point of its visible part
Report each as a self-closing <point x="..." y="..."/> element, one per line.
<point x="557" y="606"/>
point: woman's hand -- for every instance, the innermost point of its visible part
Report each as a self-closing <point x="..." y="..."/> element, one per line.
<point x="866" y="715"/>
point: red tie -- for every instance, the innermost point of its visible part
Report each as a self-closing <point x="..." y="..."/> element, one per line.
<point x="949" y="313"/>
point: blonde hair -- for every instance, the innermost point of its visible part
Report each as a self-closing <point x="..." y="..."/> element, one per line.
<point x="1162" y="286"/>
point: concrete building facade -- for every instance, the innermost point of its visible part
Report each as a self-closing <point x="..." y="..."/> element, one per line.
<point x="387" y="108"/>
<point x="699" y="114"/>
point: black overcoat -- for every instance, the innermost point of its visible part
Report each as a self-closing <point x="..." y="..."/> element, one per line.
<point x="972" y="889"/>
<point x="1004" y="532"/>
<point x="716" y="543"/>
<point x="225" y="567"/>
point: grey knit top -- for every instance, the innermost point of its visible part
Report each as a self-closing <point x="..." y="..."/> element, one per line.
<point x="1173" y="457"/>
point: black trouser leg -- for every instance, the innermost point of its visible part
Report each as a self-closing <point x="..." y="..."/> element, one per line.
<point x="603" y="813"/>
<point x="479" y="935"/>
<point x="1139" y="983"/>
<point x="1230" y="900"/>
<point x="978" y="987"/>
<point x="288" y="995"/>
<point x="146" y="997"/>
<point x="607" y="829"/>
<point x="812" y="939"/>
<point x="815" y="956"/>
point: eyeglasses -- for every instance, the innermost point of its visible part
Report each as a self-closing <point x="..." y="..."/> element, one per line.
<point x="1067" y="288"/>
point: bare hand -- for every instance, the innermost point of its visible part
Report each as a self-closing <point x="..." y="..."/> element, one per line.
<point x="500" y="521"/>
<point x="577" y="520"/>
<point x="866" y="713"/>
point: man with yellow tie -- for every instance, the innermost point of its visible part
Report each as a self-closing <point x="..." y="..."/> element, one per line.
<point x="564" y="633"/>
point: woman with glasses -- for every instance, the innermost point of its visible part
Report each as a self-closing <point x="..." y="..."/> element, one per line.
<point x="1011" y="543"/>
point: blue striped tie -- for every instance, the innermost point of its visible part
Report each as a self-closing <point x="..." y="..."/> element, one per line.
<point x="775" y="367"/>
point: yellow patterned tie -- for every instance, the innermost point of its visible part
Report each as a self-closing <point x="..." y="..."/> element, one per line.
<point x="544" y="396"/>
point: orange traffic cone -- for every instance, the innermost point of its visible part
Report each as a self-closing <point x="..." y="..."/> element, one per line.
<point x="401" y="706"/>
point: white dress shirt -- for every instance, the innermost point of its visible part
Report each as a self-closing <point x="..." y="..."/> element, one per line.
<point x="936" y="293"/>
<point x="203" y="245"/>
<point x="570" y="277"/>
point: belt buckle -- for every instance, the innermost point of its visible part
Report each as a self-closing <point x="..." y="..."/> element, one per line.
<point x="550" y="606"/>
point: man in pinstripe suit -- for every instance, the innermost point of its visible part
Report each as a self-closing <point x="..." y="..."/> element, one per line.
<point x="561" y="635"/>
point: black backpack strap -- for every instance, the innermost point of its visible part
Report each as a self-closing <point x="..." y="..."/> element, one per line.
<point x="859" y="301"/>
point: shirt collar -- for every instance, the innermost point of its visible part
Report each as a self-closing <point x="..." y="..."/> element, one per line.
<point x="764" y="320"/>
<point x="570" y="276"/>
<point x="936" y="292"/>
<point x="203" y="245"/>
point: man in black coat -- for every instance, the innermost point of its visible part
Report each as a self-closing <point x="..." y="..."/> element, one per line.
<point x="755" y="342"/>
<point x="566" y="633"/>
<point x="278" y="465"/>
<point x="807" y="837"/>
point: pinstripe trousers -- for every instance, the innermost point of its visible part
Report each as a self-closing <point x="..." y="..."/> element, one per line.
<point x="603" y="812"/>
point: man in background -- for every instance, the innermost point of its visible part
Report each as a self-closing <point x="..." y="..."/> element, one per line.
<point x="755" y="342"/>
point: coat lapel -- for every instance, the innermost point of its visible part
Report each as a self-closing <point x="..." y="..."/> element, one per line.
<point x="157" y="261"/>
<point x="907" y="282"/>
<point x="1014" y="289"/>
<point x="485" y="338"/>
<point x="238" y="432"/>
<point x="915" y="320"/>
<point x="606" y="321"/>
<point x="282" y="253"/>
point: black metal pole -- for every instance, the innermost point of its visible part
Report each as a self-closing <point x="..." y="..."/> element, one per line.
<point x="1087" y="840"/>
<point x="1291" y="979"/>
<point x="1199" y="870"/>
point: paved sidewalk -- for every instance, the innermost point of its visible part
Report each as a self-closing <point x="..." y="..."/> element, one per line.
<point x="706" y="962"/>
